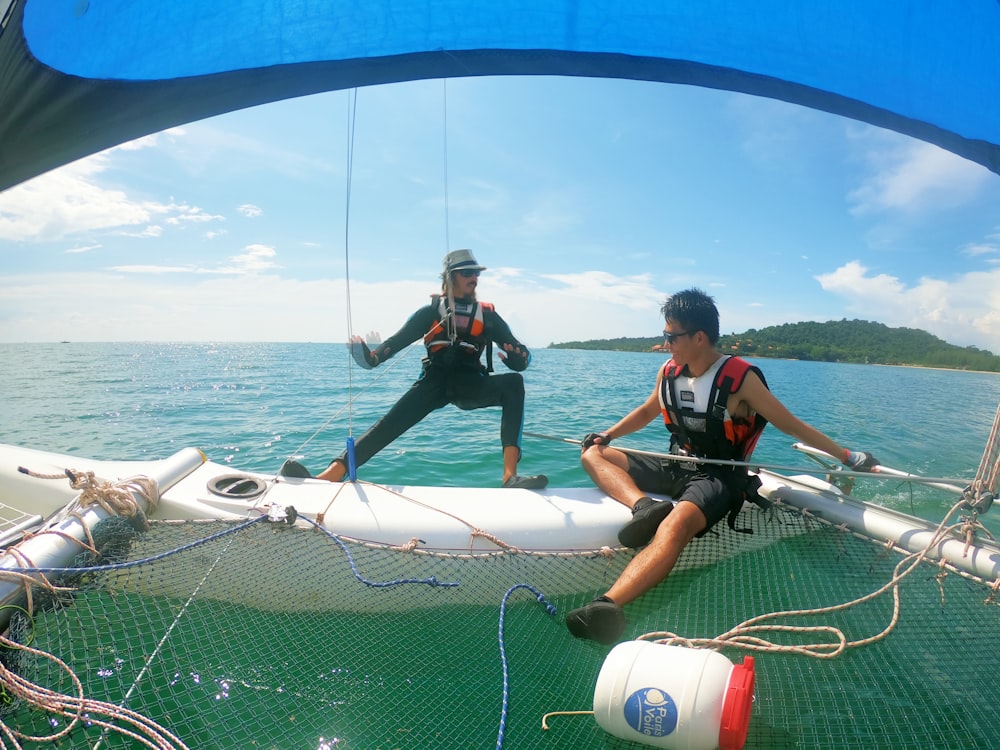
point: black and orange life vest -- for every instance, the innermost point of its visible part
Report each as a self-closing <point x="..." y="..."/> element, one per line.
<point x="712" y="433"/>
<point x="469" y="329"/>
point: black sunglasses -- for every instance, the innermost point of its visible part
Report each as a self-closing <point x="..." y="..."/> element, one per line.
<point x="671" y="336"/>
<point x="467" y="273"/>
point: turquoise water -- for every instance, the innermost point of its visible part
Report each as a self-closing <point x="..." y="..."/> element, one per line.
<point x="253" y="405"/>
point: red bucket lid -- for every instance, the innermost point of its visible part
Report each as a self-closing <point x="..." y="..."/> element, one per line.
<point x="736" y="706"/>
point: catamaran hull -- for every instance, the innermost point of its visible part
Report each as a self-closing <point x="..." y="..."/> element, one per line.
<point x="446" y="531"/>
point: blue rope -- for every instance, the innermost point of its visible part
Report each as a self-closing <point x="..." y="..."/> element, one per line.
<point x="145" y="560"/>
<point x="432" y="581"/>
<point x="503" y="650"/>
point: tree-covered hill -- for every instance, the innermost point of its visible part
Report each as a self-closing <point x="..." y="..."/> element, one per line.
<point x="833" y="341"/>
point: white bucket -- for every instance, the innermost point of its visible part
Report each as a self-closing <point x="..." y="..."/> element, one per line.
<point x="674" y="697"/>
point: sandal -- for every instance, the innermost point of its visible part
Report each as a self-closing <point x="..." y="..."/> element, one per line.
<point x="600" y="620"/>
<point x="644" y="523"/>
<point x="518" y="482"/>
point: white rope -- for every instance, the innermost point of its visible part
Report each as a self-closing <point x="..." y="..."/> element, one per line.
<point x="115" y="498"/>
<point x="77" y="708"/>
<point x="747" y="635"/>
<point x="988" y="475"/>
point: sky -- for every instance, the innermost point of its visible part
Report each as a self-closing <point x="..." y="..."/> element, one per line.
<point x="589" y="200"/>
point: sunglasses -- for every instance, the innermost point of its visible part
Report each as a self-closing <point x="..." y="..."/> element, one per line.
<point x="671" y="336"/>
<point x="468" y="273"/>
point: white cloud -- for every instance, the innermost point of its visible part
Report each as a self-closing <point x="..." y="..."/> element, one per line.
<point x="189" y="214"/>
<point x="913" y="176"/>
<point x="600" y="287"/>
<point x="250" y="211"/>
<point x="153" y="230"/>
<point x="152" y="269"/>
<point x="153" y="140"/>
<point x="66" y="202"/>
<point x="257" y="258"/>
<point x="71" y="201"/>
<point x="146" y="302"/>
<point x="981" y="248"/>
<point x="963" y="311"/>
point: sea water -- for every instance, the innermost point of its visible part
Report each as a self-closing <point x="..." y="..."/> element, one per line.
<point x="252" y="405"/>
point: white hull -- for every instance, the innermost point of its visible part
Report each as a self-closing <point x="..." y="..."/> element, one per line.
<point x="445" y="518"/>
<point x="460" y="520"/>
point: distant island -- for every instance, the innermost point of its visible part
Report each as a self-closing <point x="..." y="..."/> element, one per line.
<point x="858" y="341"/>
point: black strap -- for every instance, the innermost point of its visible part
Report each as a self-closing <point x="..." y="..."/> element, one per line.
<point x="750" y="494"/>
<point x="673" y="409"/>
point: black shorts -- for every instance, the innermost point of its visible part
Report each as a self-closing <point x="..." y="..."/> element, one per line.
<point x="713" y="490"/>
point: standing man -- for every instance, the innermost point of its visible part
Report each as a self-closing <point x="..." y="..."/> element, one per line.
<point x="715" y="406"/>
<point x="456" y="329"/>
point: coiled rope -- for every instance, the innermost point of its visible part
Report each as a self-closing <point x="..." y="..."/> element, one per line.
<point x="116" y="498"/>
<point x="78" y="708"/>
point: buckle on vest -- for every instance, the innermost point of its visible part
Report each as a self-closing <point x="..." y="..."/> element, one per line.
<point x="685" y="465"/>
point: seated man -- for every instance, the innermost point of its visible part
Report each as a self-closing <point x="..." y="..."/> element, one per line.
<point x="715" y="406"/>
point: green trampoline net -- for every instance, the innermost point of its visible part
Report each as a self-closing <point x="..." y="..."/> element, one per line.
<point x="265" y="635"/>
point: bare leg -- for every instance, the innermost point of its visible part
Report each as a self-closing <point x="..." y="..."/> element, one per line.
<point x="334" y="472"/>
<point x="656" y="561"/>
<point x="511" y="455"/>
<point x="608" y="468"/>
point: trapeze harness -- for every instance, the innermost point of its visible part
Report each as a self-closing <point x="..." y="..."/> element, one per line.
<point x="461" y="332"/>
<point x="696" y="414"/>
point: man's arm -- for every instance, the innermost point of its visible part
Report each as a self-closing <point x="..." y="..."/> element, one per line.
<point x="416" y="326"/>
<point x="761" y="400"/>
<point x="636" y="419"/>
<point x="513" y="353"/>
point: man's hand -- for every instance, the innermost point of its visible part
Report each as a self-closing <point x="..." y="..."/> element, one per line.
<point x="360" y="351"/>
<point x="594" y="438"/>
<point x="859" y="461"/>
<point x="515" y="357"/>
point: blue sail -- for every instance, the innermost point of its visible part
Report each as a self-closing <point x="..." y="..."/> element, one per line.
<point x="79" y="76"/>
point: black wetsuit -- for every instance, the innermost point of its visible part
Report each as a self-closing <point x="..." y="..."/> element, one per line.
<point x="450" y="375"/>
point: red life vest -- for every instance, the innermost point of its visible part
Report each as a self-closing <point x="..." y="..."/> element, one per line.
<point x="712" y="433"/>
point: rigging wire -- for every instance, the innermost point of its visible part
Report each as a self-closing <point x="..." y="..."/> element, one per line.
<point x="444" y="130"/>
<point x="449" y="318"/>
<point x="951" y="484"/>
<point x="352" y="112"/>
<point x="351" y="115"/>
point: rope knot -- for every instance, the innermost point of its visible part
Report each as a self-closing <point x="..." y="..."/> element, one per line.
<point x="117" y="498"/>
<point x="409" y="546"/>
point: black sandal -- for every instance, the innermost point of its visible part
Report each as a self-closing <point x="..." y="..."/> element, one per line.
<point x="644" y="523"/>
<point x="294" y="469"/>
<point x="600" y="620"/>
